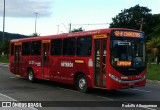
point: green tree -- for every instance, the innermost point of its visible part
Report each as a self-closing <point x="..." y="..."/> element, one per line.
<point x="156" y="27"/>
<point x="35" y="35"/>
<point x="78" y="30"/>
<point x="131" y="18"/>
<point x="153" y="43"/>
<point x="4" y="48"/>
<point x="153" y="49"/>
<point x="1" y="48"/>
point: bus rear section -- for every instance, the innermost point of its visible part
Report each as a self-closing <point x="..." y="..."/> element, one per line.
<point x="15" y="54"/>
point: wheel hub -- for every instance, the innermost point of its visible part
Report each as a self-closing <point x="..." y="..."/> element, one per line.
<point x="82" y="83"/>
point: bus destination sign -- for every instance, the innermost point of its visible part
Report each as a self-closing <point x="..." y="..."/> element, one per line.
<point x="128" y="34"/>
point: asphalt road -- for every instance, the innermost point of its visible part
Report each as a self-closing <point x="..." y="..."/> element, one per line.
<point x="63" y="97"/>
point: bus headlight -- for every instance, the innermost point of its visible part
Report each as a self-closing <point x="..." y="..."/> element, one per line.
<point x="114" y="77"/>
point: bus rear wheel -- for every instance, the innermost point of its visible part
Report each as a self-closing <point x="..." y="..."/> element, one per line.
<point x="31" y="77"/>
<point x="82" y="84"/>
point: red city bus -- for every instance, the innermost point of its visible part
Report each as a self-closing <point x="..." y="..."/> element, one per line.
<point x="109" y="59"/>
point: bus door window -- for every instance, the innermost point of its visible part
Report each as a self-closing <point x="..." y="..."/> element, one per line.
<point x="97" y="63"/>
<point x="45" y="60"/>
<point x="104" y="61"/>
<point x="17" y="52"/>
<point x="45" y="52"/>
<point x="17" y="59"/>
<point x="100" y="63"/>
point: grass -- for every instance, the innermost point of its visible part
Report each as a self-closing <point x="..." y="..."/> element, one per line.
<point x="153" y="70"/>
<point x="4" y="59"/>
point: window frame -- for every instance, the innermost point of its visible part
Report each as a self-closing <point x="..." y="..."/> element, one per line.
<point x="69" y="44"/>
<point x="12" y="49"/>
<point x="37" y="48"/>
<point x="52" y="47"/>
<point x="90" y="46"/>
<point x="28" y="49"/>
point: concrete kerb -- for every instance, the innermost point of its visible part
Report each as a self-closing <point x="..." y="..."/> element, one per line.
<point x="4" y="64"/>
<point x="153" y="81"/>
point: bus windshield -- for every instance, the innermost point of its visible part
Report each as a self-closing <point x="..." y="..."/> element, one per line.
<point x="128" y="52"/>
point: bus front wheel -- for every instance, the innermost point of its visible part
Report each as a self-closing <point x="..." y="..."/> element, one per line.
<point x="31" y="77"/>
<point x="82" y="84"/>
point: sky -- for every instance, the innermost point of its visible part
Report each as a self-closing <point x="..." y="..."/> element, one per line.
<point x="54" y="16"/>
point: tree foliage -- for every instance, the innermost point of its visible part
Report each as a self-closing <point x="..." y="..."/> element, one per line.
<point x="153" y="49"/>
<point x="132" y="17"/>
<point x="35" y="35"/>
<point x="4" y="48"/>
<point x="156" y="28"/>
<point x="78" y="30"/>
<point x="9" y="36"/>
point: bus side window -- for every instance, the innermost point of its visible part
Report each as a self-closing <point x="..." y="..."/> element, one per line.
<point x="26" y="48"/>
<point x="36" y="48"/>
<point x="69" y="46"/>
<point x="56" y="47"/>
<point x="12" y="49"/>
<point x="84" y="46"/>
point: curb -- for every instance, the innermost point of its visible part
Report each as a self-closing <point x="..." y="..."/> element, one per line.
<point x="4" y="63"/>
<point x="153" y="81"/>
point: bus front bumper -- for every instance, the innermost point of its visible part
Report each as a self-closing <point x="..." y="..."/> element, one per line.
<point x="126" y="81"/>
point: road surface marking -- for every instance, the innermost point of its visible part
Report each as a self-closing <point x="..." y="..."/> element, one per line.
<point x="11" y="99"/>
<point x="105" y="98"/>
<point x="7" y="97"/>
<point x="84" y="93"/>
<point x="140" y="90"/>
<point x="67" y="89"/>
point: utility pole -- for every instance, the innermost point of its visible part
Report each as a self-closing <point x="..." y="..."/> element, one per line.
<point x="36" y="23"/>
<point x="141" y="25"/>
<point x="70" y="27"/>
<point x="3" y="24"/>
<point x="3" y="27"/>
<point x="58" y="29"/>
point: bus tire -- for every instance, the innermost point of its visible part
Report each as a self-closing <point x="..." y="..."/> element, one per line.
<point x="31" y="77"/>
<point x="82" y="83"/>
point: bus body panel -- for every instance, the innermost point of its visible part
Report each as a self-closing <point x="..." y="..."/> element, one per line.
<point x="65" y="68"/>
<point x="119" y="85"/>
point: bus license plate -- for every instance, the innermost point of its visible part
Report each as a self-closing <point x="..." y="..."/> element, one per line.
<point x="131" y="84"/>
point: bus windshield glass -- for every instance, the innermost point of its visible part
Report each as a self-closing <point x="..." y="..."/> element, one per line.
<point x="127" y="52"/>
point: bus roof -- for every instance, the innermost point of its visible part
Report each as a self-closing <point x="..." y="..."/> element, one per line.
<point x="73" y="34"/>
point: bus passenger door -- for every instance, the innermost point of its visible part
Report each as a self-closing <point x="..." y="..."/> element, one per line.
<point x="100" y="63"/>
<point x="17" y="53"/>
<point x="45" y="60"/>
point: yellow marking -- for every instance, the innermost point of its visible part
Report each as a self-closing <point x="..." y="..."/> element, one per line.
<point x="46" y="41"/>
<point x="18" y="43"/>
<point x="17" y="75"/>
<point x="100" y="36"/>
<point x="79" y="61"/>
